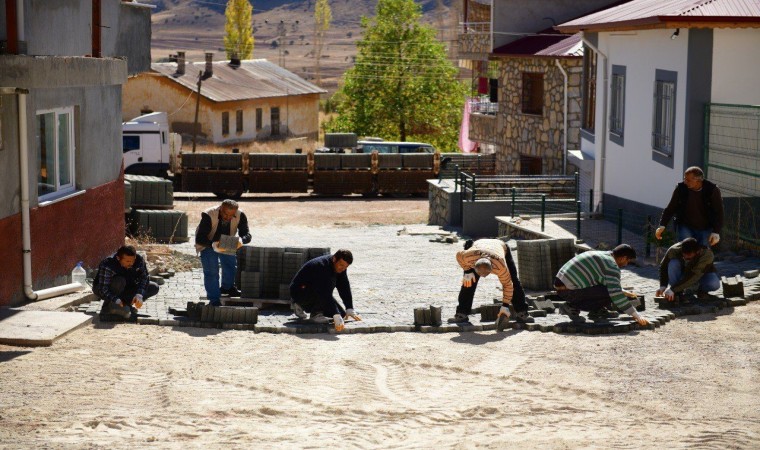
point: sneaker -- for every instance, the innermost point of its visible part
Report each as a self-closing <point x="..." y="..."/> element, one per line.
<point x="319" y="318"/>
<point x="231" y="292"/>
<point x="459" y="318"/>
<point x="572" y="312"/>
<point x="298" y="311"/>
<point x="523" y="317"/>
<point x="703" y="295"/>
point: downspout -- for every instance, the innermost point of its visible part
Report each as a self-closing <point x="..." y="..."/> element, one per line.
<point x="603" y="134"/>
<point x="26" y="238"/>
<point x="564" y="120"/>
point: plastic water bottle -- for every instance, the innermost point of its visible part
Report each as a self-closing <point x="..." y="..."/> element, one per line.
<point x="79" y="275"/>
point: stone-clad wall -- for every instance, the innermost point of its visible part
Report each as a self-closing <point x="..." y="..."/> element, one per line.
<point x="514" y="133"/>
<point x="438" y="199"/>
<point x="476" y="39"/>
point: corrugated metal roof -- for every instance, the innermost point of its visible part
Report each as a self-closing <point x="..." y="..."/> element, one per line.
<point x="647" y="13"/>
<point x="254" y="78"/>
<point x="543" y="45"/>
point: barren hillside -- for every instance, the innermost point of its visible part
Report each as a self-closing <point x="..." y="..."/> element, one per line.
<point x="197" y="26"/>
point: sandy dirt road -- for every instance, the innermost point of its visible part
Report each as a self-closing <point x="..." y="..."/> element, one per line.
<point x="692" y="383"/>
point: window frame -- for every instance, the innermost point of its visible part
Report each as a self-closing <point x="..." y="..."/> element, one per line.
<point x="588" y="123"/>
<point x="532" y="84"/>
<point x="664" y="109"/>
<point x="239" y="121"/>
<point x="617" y="105"/>
<point x="225" y="123"/>
<point x="59" y="189"/>
<point x="259" y="118"/>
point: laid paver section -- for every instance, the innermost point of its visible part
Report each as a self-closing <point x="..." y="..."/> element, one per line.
<point x="394" y="273"/>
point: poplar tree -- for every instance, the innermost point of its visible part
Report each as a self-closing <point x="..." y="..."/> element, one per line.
<point x="322" y="19"/>
<point x="238" y="29"/>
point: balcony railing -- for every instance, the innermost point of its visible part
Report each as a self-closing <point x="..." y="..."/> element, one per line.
<point x="475" y="28"/>
<point x="484" y="107"/>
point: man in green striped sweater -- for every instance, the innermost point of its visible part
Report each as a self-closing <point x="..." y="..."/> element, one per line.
<point x="591" y="282"/>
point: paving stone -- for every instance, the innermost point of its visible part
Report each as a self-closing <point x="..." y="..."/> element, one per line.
<point x="435" y="315"/>
<point x="147" y="321"/>
<point x="751" y="273"/>
<point x="542" y="303"/>
<point x="168" y="322"/>
<point x="537" y="313"/>
<point x="732" y="287"/>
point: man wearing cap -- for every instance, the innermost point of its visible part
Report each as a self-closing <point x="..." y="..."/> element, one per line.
<point x="483" y="257"/>
<point x="591" y="282"/>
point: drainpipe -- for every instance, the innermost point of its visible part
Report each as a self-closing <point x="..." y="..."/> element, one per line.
<point x="26" y="238"/>
<point x="603" y="134"/>
<point x="564" y="120"/>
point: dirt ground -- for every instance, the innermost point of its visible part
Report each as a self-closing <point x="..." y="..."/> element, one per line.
<point x="691" y="383"/>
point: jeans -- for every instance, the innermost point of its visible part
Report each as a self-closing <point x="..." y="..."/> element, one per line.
<point x="709" y="281"/>
<point x="210" y="261"/>
<point x="701" y="236"/>
<point x="127" y="292"/>
<point x="467" y="294"/>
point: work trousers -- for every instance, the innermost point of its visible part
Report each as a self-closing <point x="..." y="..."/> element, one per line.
<point x="312" y="302"/>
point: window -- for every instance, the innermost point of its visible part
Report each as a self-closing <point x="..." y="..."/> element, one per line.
<point x="258" y="118"/>
<point x="530" y="165"/>
<point x="239" y="121"/>
<point x="664" y="112"/>
<point x="225" y="122"/>
<point x="589" y="89"/>
<point x="129" y="143"/>
<point x="275" y="120"/>
<point x="55" y="151"/>
<point x="617" y="104"/>
<point x="532" y="93"/>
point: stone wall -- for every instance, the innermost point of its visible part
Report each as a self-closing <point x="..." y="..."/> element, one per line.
<point x="442" y="211"/>
<point x="515" y="133"/>
<point x="476" y="39"/>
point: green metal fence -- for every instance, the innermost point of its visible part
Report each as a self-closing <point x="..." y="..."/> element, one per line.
<point x="732" y="161"/>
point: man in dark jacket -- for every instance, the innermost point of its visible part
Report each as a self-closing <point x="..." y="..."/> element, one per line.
<point x="225" y="219"/>
<point x="312" y="289"/>
<point x="698" y="209"/>
<point x="122" y="282"/>
<point x="685" y="264"/>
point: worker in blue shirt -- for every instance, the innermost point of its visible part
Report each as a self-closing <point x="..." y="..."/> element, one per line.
<point x="312" y="289"/>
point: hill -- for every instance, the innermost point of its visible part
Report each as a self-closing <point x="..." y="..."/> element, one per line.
<point x="197" y="26"/>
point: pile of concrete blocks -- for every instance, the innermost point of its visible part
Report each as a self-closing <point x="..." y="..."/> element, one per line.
<point x="266" y="272"/>
<point x="222" y="314"/>
<point x="539" y="260"/>
<point x="732" y="287"/>
<point x="488" y="313"/>
<point x="149" y="203"/>
<point x="428" y="316"/>
<point x="541" y="303"/>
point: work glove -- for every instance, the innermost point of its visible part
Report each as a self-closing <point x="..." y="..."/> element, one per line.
<point x="669" y="294"/>
<point x="713" y="239"/>
<point x="350" y="313"/>
<point x="246" y="239"/>
<point x="503" y="311"/>
<point x="339" y="324"/>
<point x="658" y="232"/>
<point x="137" y="302"/>
<point x="468" y="279"/>
<point x="660" y="291"/>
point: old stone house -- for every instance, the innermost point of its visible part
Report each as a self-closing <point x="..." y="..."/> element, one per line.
<point x="240" y="101"/>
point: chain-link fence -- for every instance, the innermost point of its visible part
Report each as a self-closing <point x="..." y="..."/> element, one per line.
<point x="732" y="161"/>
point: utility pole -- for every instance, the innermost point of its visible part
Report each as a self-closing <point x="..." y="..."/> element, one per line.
<point x="197" y="106"/>
<point x="282" y="33"/>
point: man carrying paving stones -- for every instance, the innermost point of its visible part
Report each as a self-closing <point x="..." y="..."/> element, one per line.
<point x="223" y="220"/>
<point x="480" y="259"/>
<point x="312" y="289"/>
<point x="685" y="264"/>
<point x="123" y="283"/>
<point x="591" y="282"/>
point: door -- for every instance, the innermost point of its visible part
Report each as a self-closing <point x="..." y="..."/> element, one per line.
<point x="276" y="121"/>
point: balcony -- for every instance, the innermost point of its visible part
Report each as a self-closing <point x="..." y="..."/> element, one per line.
<point x="474" y="39"/>
<point x="483" y="127"/>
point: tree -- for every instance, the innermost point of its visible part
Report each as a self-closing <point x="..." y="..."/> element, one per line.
<point x="238" y="29"/>
<point x="322" y="19"/>
<point x="402" y="86"/>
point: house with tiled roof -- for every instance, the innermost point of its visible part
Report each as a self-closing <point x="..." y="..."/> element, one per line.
<point x="527" y="79"/>
<point x="240" y="100"/>
<point x="672" y="84"/>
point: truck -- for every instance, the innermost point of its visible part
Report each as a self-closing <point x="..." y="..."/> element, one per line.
<point x="147" y="145"/>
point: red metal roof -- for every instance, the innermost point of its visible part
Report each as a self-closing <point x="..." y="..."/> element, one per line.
<point x="253" y="79"/>
<point x="545" y="43"/>
<point x="654" y="13"/>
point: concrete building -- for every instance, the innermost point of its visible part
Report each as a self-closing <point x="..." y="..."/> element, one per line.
<point x="241" y="101"/>
<point x="668" y="85"/>
<point x="528" y="78"/>
<point x="62" y="67"/>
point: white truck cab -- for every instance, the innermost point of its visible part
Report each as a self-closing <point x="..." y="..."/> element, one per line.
<point x="146" y="145"/>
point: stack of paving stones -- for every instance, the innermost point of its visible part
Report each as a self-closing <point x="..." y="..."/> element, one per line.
<point x="199" y="313"/>
<point x="430" y="316"/>
<point x="539" y="260"/>
<point x="151" y="203"/>
<point x="266" y="272"/>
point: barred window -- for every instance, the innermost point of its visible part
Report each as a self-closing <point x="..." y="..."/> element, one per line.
<point x="532" y="93"/>
<point x="589" y="89"/>
<point x="664" y="112"/>
<point x="617" y="104"/>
